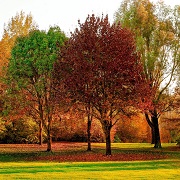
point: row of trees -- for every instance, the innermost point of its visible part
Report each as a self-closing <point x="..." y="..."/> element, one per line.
<point x="105" y="71"/>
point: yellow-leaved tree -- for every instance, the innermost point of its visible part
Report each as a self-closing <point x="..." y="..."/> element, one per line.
<point x="156" y="31"/>
<point x="19" y="25"/>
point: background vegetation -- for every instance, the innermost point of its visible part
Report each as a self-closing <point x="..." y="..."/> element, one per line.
<point x="33" y="111"/>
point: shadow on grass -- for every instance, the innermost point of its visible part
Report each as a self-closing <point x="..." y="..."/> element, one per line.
<point x="69" y="152"/>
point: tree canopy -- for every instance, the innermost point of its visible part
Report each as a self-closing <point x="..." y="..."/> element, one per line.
<point x="30" y="69"/>
<point x="101" y="67"/>
<point x="157" y="41"/>
<point x="19" y="25"/>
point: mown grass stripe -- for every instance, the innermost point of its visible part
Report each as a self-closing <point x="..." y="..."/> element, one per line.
<point x="9" y="168"/>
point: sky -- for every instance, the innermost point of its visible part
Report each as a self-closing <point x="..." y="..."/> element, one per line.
<point x="64" y="13"/>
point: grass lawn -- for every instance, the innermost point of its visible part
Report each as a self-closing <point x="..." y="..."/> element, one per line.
<point x="71" y="161"/>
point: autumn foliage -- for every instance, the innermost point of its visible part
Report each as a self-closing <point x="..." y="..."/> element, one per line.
<point x="102" y="84"/>
<point x="103" y="70"/>
<point x="156" y="31"/>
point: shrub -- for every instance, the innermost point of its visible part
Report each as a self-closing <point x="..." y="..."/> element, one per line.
<point x="116" y="139"/>
<point x="20" y="131"/>
<point x="178" y="141"/>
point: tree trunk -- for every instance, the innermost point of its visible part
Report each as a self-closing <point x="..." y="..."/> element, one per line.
<point x="89" y="132"/>
<point x="107" y="131"/>
<point x="154" y="124"/>
<point x="151" y="125"/>
<point x="157" y="140"/>
<point x="108" y="143"/>
<point x="152" y="135"/>
<point x="89" y="113"/>
<point x="40" y="132"/>
<point x="41" y="117"/>
<point x="49" y="143"/>
<point x="49" y="138"/>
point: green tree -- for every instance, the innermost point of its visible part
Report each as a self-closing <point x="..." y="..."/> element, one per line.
<point x="30" y="70"/>
<point x="157" y="42"/>
<point x="19" y="25"/>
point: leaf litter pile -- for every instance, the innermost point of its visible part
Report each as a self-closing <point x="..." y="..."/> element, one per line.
<point x="89" y="157"/>
<point x="76" y="152"/>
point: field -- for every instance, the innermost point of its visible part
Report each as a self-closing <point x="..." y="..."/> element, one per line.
<point x="72" y="161"/>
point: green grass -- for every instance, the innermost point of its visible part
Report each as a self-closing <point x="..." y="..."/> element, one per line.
<point x="14" y="164"/>
<point x="97" y="170"/>
<point x="139" y="146"/>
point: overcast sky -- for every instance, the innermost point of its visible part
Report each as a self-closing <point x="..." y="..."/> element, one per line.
<point x="64" y="13"/>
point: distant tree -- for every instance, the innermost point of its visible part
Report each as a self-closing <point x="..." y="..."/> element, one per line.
<point x="19" y="25"/>
<point x="157" y="41"/>
<point x="102" y="71"/>
<point x="133" y="129"/>
<point x="171" y="119"/>
<point x="30" y="70"/>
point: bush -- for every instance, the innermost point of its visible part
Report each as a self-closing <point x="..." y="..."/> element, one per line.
<point x="178" y="141"/>
<point x="116" y="139"/>
<point x="20" y="131"/>
<point x="79" y="137"/>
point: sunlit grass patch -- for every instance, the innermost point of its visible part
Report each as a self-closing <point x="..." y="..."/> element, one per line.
<point x="17" y="164"/>
<point x="92" y="170"/>
<point x="134" y="145"/>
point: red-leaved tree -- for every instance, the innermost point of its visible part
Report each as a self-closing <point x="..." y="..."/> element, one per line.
<point x="102" y="70"/>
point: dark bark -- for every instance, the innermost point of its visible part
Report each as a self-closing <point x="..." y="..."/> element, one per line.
<point x="49" y="143"/>
<point x="150" y="123"/>
<point x="152" y="135"/>
<point x="89" y="113"/>
<point x="157" y="140"/>
<point x="153" y="122"/>
<point x="41" y="117"/>
<point x="41" y="127"/>
<point x="107" y="131"/>
<point x="89" y="132"/>
<point x="40" y="132"/>
<point x="108" y="143"/>
<point x="49" y="138"/>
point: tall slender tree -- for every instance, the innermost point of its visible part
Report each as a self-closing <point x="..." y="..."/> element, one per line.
<point x="157" y="41"/>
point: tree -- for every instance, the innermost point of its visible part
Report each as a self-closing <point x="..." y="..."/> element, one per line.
<point x="157" y="41"/>
<point x="102" y="70"/>
<point x="30" y="69"/>
<point x="19" y="25"/>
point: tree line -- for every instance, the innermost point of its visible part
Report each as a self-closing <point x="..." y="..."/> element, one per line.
<point x="102" y="71"/>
